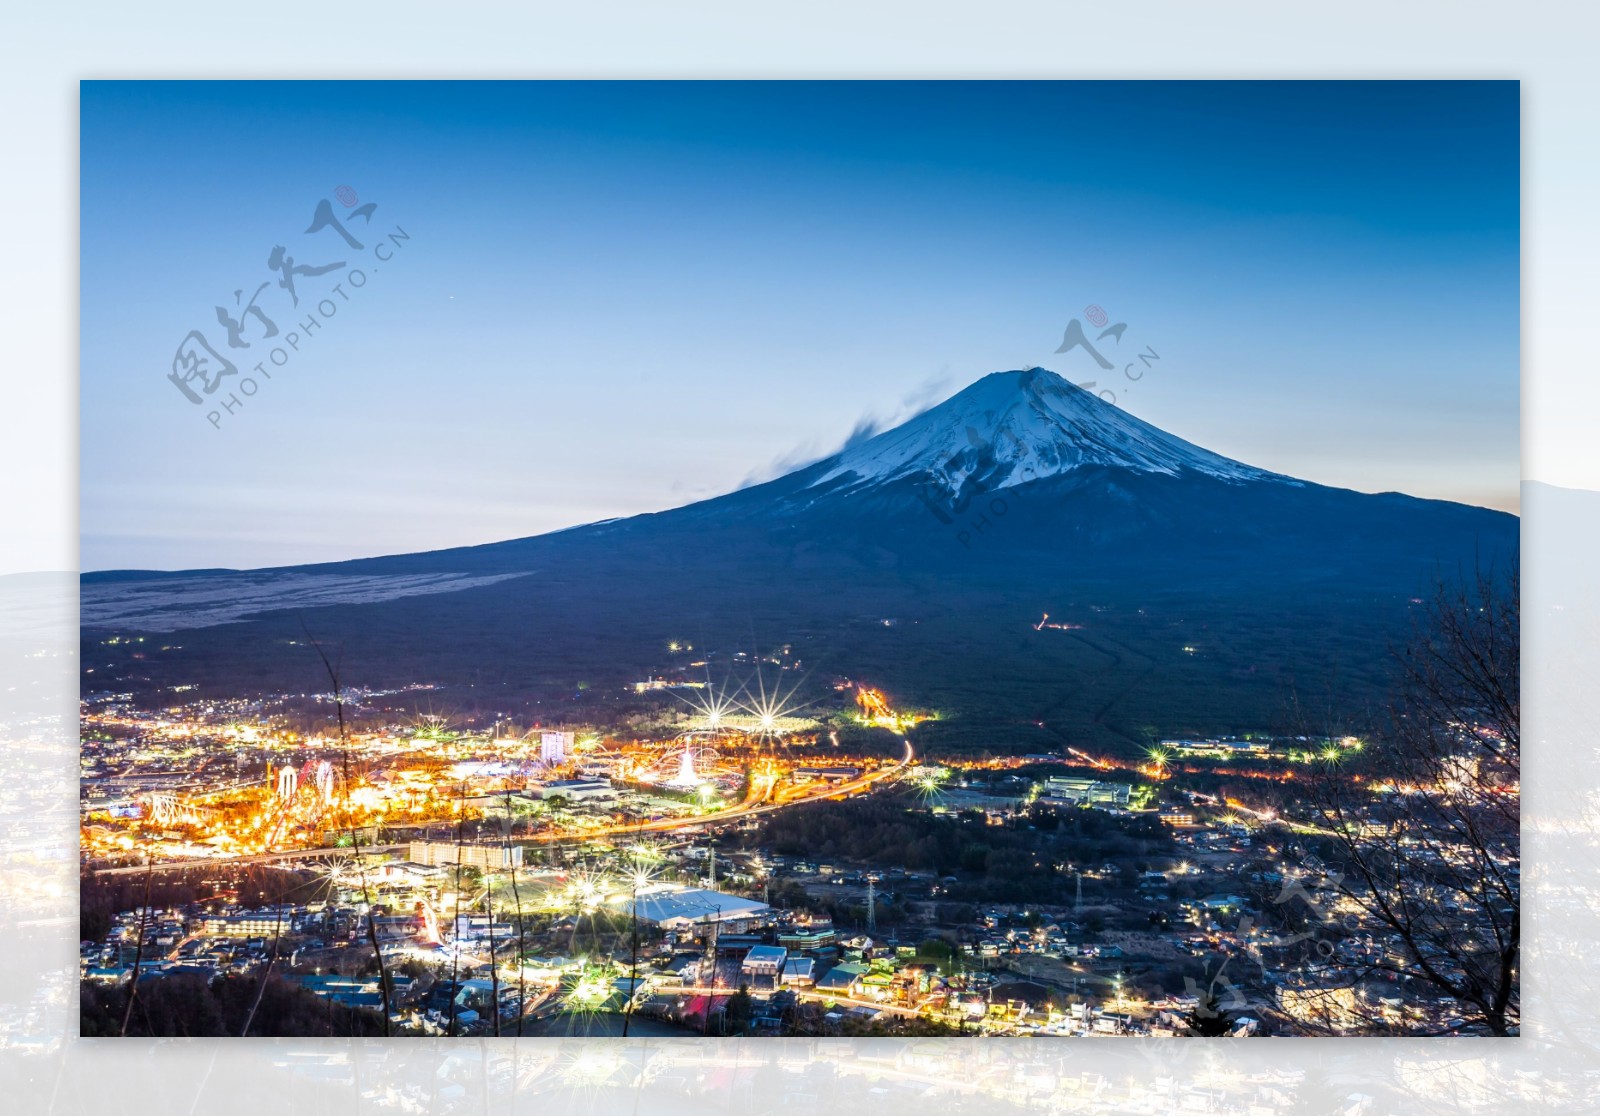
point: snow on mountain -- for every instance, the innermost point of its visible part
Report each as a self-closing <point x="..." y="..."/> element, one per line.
<point x="1013" y="427"/>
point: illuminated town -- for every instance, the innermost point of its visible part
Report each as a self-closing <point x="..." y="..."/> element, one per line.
<point x="768" y="861"/>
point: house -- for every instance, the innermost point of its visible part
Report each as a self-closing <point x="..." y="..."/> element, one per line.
<point x="763" y="966"/>
<point x="476" y="993"/>
<point x="108" y="975"/>
<point x="800" y="971"/>
<point x="574" y="791"/>
<point x="1113" y="1023"/>
<point x="356" y="992"/>
<point x="406" y="874"/>
<point x="1021" y="996"/>
<point x="798" y="940"/>
<point x="843" y="980"/>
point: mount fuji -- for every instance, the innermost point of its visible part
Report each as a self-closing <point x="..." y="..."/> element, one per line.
<point x="1013" y="427"/>
<point x="1202" y="593"/>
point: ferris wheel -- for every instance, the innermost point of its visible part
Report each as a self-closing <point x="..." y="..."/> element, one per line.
<point x="692" y="763"/>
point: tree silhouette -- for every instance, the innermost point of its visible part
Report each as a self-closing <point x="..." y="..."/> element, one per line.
<point x="1436" y="865"/>
<point x="1208" y="1017"/>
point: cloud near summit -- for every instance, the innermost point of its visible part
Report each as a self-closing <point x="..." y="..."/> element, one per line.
<point x="869" y="425"/>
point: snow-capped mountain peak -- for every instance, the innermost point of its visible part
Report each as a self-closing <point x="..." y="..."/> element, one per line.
<point x="1013" y="427"/>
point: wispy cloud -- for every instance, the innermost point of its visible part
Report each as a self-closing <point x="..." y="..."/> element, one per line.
<point x="869" y="425"/>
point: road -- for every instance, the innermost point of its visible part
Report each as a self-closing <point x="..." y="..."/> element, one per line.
<point x="800" y="994"/>
<point x="244" y="859"/>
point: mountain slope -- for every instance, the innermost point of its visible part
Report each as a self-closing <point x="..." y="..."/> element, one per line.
<point x="1204" y="592"/>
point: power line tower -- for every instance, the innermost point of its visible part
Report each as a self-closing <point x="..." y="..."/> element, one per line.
<point x="872" y="906"/>
<point x="1077" y="908"/>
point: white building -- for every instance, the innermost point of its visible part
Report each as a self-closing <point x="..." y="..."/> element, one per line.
<point x="492" y="857"/>
<point x="764" y="962"/>
<point x="674" y="907"/>
<point x="574" y="791"/>
<point x="555" y="747"/>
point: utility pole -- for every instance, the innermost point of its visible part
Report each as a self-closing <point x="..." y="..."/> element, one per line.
<point x="872" y="906"/>
<point x="633" y="959"/>
<point x="633" y="951"/>
<point x="711" y="999"/>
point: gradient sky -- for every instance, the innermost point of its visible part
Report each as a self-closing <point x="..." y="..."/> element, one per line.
<point x="620" y="297"/>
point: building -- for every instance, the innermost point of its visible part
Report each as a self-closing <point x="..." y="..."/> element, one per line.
<point x="249" y="924"/>
<point x="1218" y="749"/>
<point x="965" y="799"/>
<point x="1215" y="905"/>
<point x="837" y="774"/>
<point x="843" y="980"/>
<point x="764" y="964"/>
<point x="575" y="791"/>
<point x="1081" y="790"/>
<point x="555" y="747"/>
<point x="666" y="684"/>
<point x="482" y="929"/>
<point x="108" y="975"/>
<point x="405" y="874"/>
<point x="473" y="854"/>
<point x="798" y="940"/>
<point x="672" y="906"/>
<point x="800" y="971"/>
<point x="356" y="992"/>
<point x="398" y="928"/>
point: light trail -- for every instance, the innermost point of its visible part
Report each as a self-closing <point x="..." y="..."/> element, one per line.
<point x="1271" y="817"/>
<point x="751" y="806"/>
<point x="243" y="859"/>
<point x="800" y="994"/>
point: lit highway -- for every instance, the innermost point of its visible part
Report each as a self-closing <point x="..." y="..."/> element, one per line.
<point x="751" y="806"/>
<point x="673" y="990"/>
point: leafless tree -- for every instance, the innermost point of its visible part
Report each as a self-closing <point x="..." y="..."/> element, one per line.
<point x="385" y="986"/>
<point x="455" y="911"/>
<point x="138" y="949"/>
<point x="1425" y="838"/>
<point x="516" y="899"/>
<point x="266" y="973"/>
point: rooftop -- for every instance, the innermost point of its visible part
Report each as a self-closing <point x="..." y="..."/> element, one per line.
<point x="672" y="904"/>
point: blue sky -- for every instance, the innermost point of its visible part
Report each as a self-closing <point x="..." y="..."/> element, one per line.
<point x="621" y="297"/>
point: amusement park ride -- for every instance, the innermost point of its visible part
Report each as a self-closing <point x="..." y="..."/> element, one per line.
<point x="299" y="795"/>
<point x="692" y="761"/>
